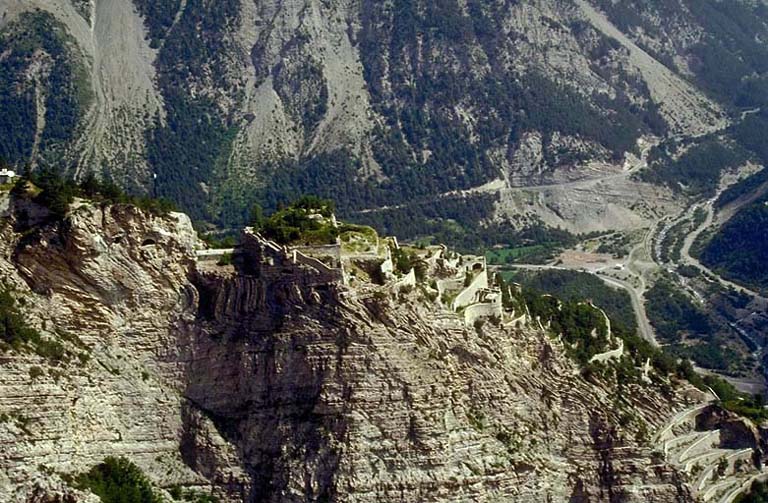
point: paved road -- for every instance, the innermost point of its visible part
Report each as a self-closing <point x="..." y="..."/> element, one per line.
<point x="501" y="185"/>
<point x="686" y="258"/>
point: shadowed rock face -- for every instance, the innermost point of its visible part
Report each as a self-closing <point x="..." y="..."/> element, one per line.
<point x="263" y="383"/>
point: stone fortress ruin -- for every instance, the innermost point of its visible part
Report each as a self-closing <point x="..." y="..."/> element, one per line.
<point x="360" y="258"/>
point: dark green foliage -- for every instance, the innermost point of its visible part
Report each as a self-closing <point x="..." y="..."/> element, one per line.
<point x="710" y="355"/>
<point x="574" y="320"/>
<point x="573" y="285"/>
<point x="256" y="217"/>
<point x="673" y="314"/>
<point x="423" y="146"/>
<point x="732" y="51"/>
<point x="66" y="88"/>
<point x="750" y="406"/>
<point x="617" y="245"/>
<point x="196" y="138"/>
<point x="402" y="260"/>
<point x="739" y="249"/>
<point x="752" y="91"/>
<point x="750" y="133"/>
<point x="420" y="105"/>
<point x="688" y="271"/>
<point x="689" y="330"/>
<point x="158" y="17"/>
<point x="405" y="260"/>
<point x="117" y="480"/>
<point x="57" y="193"/>
<point x="576" y="323"/>
<point x="14" y="330"/>
<point x="458" y="221"/>
<point x="225" y="259"/>
<point x="729" y="61"/>
<point x="219" y="242"/>
<point x="324" y="207"/>
<point x="293" y="224"/>
<point x="17" y="335"/>
<point x="698" y="170"/>
<point x="758" y="493"/>
<point x="742" y="188"/>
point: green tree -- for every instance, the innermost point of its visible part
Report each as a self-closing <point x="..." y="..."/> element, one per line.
<point x="117" y="480"/>
<point x="256" y="218"/>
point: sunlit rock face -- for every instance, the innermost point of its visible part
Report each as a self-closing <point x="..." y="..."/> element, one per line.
<point x="267" y="381"/>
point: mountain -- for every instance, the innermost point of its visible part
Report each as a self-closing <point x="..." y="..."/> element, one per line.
<point x="608" y="158"/>
<point x="394" y="105"/>
<point x="135" y="358"/>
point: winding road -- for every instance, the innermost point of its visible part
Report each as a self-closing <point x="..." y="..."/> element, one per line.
<point x="644" y="325"/>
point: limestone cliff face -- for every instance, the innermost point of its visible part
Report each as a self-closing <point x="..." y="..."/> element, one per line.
<point x="266" y="382"/>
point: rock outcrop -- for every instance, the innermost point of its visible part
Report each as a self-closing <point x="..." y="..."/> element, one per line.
<point x="265" y="381"/>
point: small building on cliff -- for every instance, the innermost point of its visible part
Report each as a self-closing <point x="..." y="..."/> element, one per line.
<point x="7" y="176"/>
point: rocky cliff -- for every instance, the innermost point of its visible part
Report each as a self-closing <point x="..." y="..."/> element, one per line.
<point x="266" y="381"/>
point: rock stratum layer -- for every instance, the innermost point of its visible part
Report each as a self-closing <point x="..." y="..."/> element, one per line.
<point x="266" y="382"/>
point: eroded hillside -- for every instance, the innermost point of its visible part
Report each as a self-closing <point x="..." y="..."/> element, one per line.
<point x="218" y="105"/>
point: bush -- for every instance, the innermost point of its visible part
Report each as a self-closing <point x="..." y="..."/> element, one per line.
<point x="293" y="224"/>
<point x="57" y="194"/>
<point x="13" y="328"/>
<point x="117" y="480"/>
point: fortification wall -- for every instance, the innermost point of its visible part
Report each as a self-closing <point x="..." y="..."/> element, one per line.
<point x="407" y="280"/>
<point x="213" y="255"/>
<point x="450" y="285"/>
<point x="482" y="311"/>
<point x="264" y="258"/>
<point x="467" y="296"/>
<point x="614" y="354"/>
<point x="332" y="251"/>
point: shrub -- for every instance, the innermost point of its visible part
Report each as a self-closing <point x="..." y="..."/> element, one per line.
<point x="294" y="223"/>
<point x="13" y="329"/>
<point x="117" y="480"/>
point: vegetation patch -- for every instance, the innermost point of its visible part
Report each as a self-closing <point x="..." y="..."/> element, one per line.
<point x="17" y="335"/>
<point x="739" y="249"/>
<point x="308" y="221"/>
<point x="37" y="39"/>
<point x="742" y="188"/>
<point x="758" y="493"/>
<point x="47" y="188"/>
<point x="117" y="480"/>
<point x="574" y="286"/>
<point x="698" y="170"/>
<point x="689" y="330"/>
